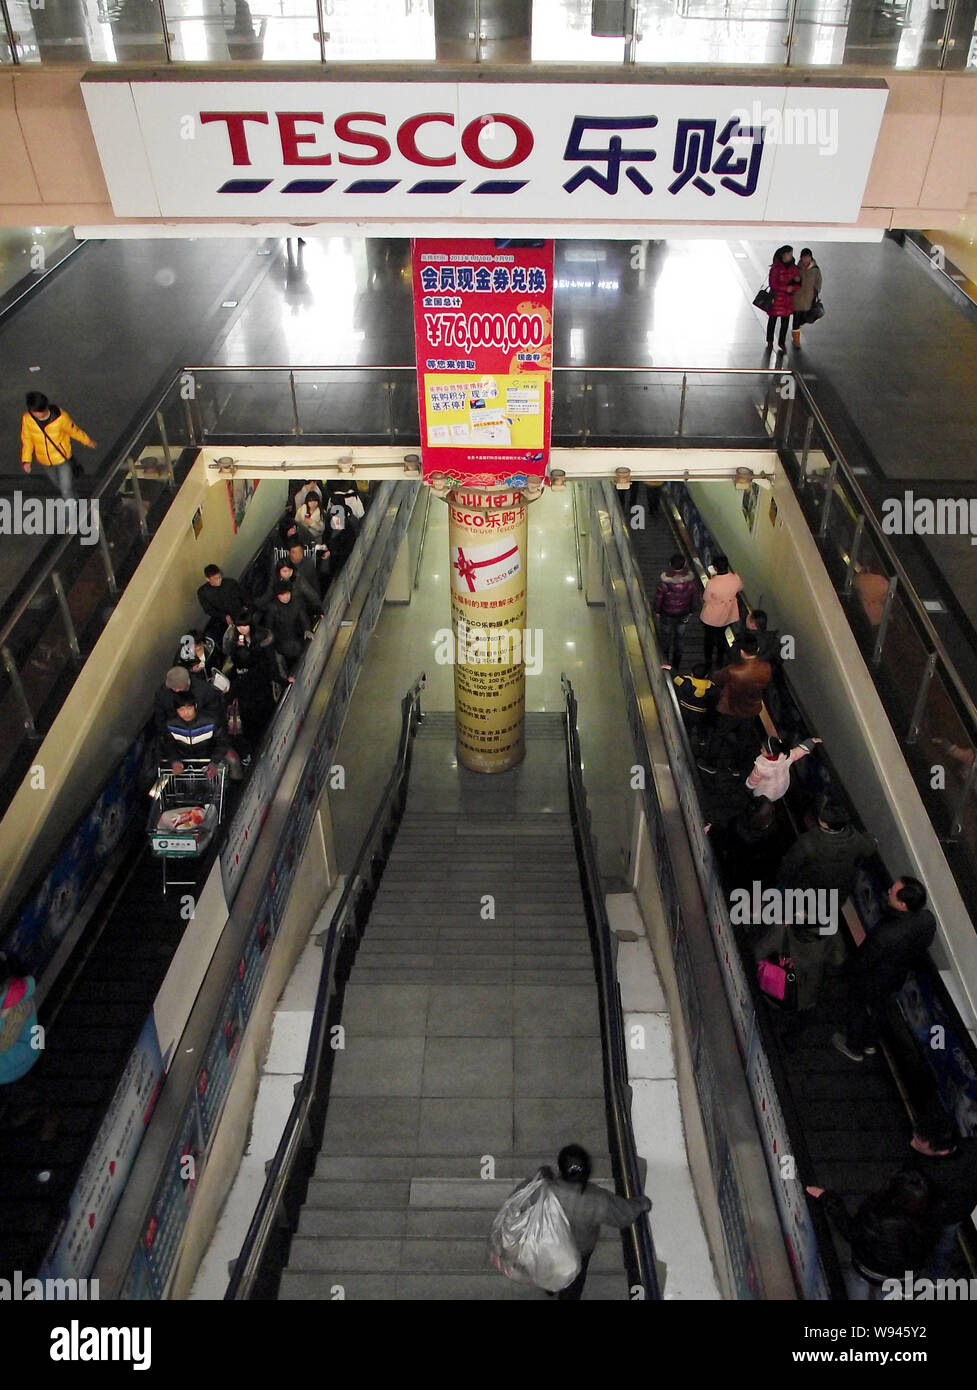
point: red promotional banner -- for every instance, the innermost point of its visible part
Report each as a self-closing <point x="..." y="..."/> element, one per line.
<point x="483" y="328"/>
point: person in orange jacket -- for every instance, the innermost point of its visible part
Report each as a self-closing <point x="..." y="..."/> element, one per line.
<point x="46" y="433"/>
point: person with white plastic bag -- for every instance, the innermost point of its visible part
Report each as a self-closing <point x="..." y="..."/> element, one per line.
<point x="529" y="1241"/>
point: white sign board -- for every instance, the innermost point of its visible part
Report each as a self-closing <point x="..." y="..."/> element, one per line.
<point x="562" y="153"/>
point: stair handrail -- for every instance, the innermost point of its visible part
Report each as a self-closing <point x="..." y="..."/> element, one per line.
<point x="638" y="1241"/>
<point x="296" y="1132"/>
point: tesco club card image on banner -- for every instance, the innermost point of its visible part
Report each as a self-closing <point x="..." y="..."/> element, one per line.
<point x="483" y="325"/>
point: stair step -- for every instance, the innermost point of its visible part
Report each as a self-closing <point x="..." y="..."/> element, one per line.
<point x="308" y="1286"/>
<point x="414" y="1254"/>
<point x="514" y="944"/>
<point x="471" y="920"/>
<point x="414" y="975"/>
<point x="390" y="1194"/>
<point x="511" y="1168"/>
<point x="481" y="931"/>
<point x="531" y="903"/>
<point x="498" y="959"/>
<point x="329" y="1223"/>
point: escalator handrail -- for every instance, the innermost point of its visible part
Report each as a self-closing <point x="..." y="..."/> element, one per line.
<point x="639" y="1243"/>
<point x="966" y="706"/>
<point x="387" y="815"/>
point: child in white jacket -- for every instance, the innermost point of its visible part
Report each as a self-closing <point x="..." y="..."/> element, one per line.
<point x="771" y="771"/>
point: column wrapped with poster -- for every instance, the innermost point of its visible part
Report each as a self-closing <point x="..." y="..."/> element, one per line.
<point x="483" y="320"/>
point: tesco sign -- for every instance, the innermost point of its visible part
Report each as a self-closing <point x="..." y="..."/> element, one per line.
<point x="556" y="153"/>
<point x="352" y="129"/>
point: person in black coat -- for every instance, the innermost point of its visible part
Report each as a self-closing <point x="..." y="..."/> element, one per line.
<point x="904" y="932"/>
<point x="949" y="1165"/>
<point x="221" y="599"/>
<point x="827" y="856"/>
<point x="288" y="621"/>
<point x="892" y="1231"/>
<point x="251" y="671"/>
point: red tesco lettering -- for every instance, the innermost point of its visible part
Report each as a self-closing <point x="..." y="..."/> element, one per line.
<point x="292" y="138"/>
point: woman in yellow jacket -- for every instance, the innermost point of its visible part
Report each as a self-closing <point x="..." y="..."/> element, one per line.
<point x="45" y="438"/>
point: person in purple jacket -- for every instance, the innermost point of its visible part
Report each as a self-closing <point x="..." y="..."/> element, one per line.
<point x="784" y="279"/>
<point x="675" y="600"/>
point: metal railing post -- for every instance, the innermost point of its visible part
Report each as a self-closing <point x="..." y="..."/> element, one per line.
<point x="167" y="454"/>
<point x="965" y="795"/>
<point x="137" y="494"/>
<point x="789" y="38"/>
<point x="681" y="405"/>
<point x="853" y="557"/>
<point x="69" y="625"/>
<point x="191" y="428"/>
<point x="391" y="432"/>
<point x="631" y="46"/>
<point x="296" y="428"/>
<point x="17" y="686"/>
<point x="829" y="492"/>
<point x="322" y="31"/>
<point x="884" y="621"/>
<point x="785" y="434"/>
<point x="161" y="5"/>
<point x="103" y="545"/>
<point x="14" y="56"/>
<point x="806" y="447"/>
<point x="920" y="702"/>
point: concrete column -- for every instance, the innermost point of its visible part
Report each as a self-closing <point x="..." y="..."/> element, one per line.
<point x="487" y="539"/>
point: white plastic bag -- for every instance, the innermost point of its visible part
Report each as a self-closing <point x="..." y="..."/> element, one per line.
<point x="530" y="1240"/>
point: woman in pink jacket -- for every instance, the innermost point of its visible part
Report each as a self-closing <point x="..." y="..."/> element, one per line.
<point x="719" y="609"/>
<point x="784" y="279"/>
<point x="770" y="777"/>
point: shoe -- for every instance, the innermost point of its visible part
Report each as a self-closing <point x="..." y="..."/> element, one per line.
<point x="840" y="1042"/>
<point x="796" y="336"/>
<point x="706" y="767"/>
<point x="869" y="1050"/>
<point x="781" y="347"/>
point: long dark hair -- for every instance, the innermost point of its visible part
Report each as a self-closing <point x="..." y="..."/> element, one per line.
<point x="780" y="251"/>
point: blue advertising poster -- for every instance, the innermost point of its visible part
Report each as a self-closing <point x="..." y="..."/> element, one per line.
<point x="214" y="1077"/>
<point x="251" y="967"/>
<point x="53" y="905"/>
<point x="939" y="1044"/>
<point x="734" y="1232"/>
<point x="174" y="1196"/>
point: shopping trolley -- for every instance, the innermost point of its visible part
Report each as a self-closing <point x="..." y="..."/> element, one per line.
<point x="186" y="810"/>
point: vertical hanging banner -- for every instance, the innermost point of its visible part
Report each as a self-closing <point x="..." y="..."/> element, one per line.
<point x="483" y="328"/>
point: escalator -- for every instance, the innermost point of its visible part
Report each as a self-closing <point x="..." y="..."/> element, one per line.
<point x="853" y="1121"/>
<point x="92" y="1023"/>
